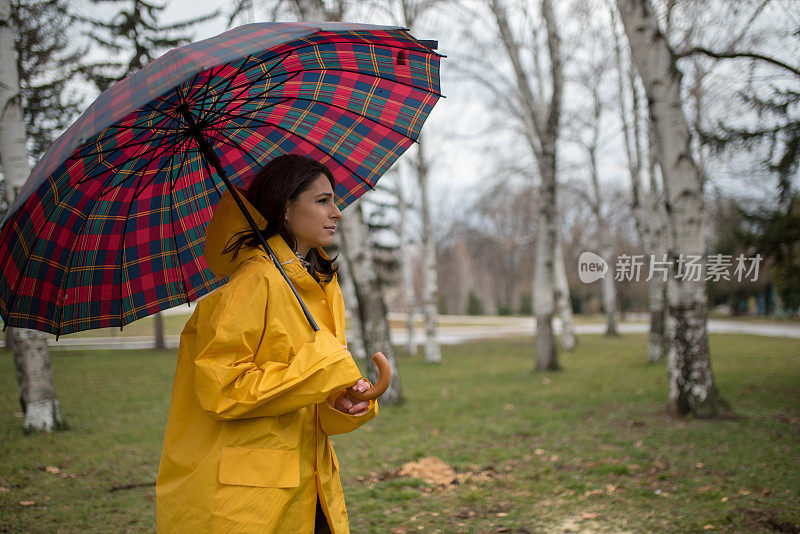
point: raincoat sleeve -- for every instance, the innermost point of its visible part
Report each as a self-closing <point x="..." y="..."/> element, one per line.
<point x="228" y="382"/>
<point x="333" y="421"/>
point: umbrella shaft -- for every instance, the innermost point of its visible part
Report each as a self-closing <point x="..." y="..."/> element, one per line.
<point x="213" y="160"/>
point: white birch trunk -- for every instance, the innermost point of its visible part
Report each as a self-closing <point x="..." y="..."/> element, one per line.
<point x="661" y="324"/>
<point x="430" y="290"/>
<point x="158" y="327"/>
<point x="647" y="212"/>
<point x="355" y="336"/>
<point x="31" y="355"/>
<point x="541" y="121"/>
<point x="407" y="287"/>
<point x="692" y="388"/>
<point x="544" y="302"/>
<point x="564" y="306"/>
<point x="609" y="291"/>
<point x="371" y="306"/>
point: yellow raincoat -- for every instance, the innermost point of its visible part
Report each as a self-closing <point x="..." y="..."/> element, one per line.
<point x="246" y="447"/>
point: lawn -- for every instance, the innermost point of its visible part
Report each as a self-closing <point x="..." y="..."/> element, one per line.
<point x="589" y="449"/>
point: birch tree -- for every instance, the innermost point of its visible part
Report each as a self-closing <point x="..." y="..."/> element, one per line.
<point x="692" y="387"/>
<point x="355" y="334"/>
<point x="647" y="207"/>
<point x="35" y="380"/>
<point x="591" y="79"/>
<point x="371" y="305"/>
<point x="407" y="283"/>
<point x="563" y="304"/>
<point x="542" y="116"/>
<point x="430" y="291"/>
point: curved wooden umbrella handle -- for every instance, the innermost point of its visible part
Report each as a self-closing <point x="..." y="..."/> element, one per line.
<point x="384" y="377"/>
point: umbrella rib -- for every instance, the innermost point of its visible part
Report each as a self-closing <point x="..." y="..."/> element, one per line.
<point x="264" y="123"/>
<point x="228" y="141"/>
<point x="116" y="169"/>
<point x="178" y="262"/>
<point x="207" y="88"/>
<point x="123" y="279"/>
<point x="62" y="289"/>
<point x="110" y="135"/>
<point x="172" y="222"/>
<point x="29" y="256"/>
<point x="162" y="166"/>
<point x="210" y="171"/>
<point x="217" y="114"/>
<point x="228" y="115"/>
<point x="316" y="45"/>
<point x="240" y="70"/>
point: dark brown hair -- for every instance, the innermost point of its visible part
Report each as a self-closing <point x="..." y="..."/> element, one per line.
<point x="278" y="183"/>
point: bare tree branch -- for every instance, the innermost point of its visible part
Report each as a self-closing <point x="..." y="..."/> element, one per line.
<point x="730" y="55"/>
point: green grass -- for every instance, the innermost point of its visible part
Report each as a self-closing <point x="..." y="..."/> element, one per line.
<point x="587" y="449"/>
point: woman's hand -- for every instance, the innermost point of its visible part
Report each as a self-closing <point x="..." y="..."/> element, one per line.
<point x="350" y="405"/>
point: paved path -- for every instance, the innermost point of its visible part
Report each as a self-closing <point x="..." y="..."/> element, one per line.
<point x="482" y="328"/>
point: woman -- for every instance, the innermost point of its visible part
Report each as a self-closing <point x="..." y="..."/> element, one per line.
<point x="257" y="392"/>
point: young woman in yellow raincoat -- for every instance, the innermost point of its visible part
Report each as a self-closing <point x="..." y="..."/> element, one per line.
<point x="257" y="392"/>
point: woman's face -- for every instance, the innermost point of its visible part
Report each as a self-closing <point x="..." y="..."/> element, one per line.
<point x="312" y="216"/>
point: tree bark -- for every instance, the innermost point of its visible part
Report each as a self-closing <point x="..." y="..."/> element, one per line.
<point x="31" y="355"/>
<point x="661" y="325"/>
<point x="563" y="305"/>
<point x="159" y="331"/>
<point x="430" y="291"/>
<point x="692" y="388"/>
<point x="355" y="335"/>
<point x="407" y="287"/>
<point x="371" y="306"/>
<point x="609" y="291"/>
<point x="541" y="121"/>
<point x="543" y="306"/>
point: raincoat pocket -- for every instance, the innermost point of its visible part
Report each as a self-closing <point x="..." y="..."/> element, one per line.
<point x="264" y="468"/>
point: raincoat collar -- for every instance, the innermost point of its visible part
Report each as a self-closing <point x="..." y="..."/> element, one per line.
<point x="224" y="226"/>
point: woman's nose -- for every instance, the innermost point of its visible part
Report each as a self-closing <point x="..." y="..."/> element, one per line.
<point x="337" y="214"/>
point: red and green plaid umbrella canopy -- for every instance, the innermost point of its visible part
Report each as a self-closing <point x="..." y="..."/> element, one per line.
<point x="110" y="226"/>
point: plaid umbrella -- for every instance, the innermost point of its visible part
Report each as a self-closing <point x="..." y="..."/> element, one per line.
<point x="110" y="226"/>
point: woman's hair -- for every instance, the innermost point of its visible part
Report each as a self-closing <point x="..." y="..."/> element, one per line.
<point x="278" y="183"/>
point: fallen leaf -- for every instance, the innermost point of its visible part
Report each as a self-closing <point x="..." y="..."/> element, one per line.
<point x="708" y="527"/>
<point x="744" y="492"/>
<point x="545" y="381"/>
<point x="3" y="489"/>
<point x="399" y="530"/>
<point x="554" y="458"/>
<point x="501" y="514"/>
<point x="724" y="499"/>
<point x="699" y="465"/>
<point x="28" y="503"/>
<point x="52" y="469"/>
<point x="539" y="452"/>
<point x="508" y="407"/>
<point x="590" y="515"/>
<point x="705" y="489"/>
